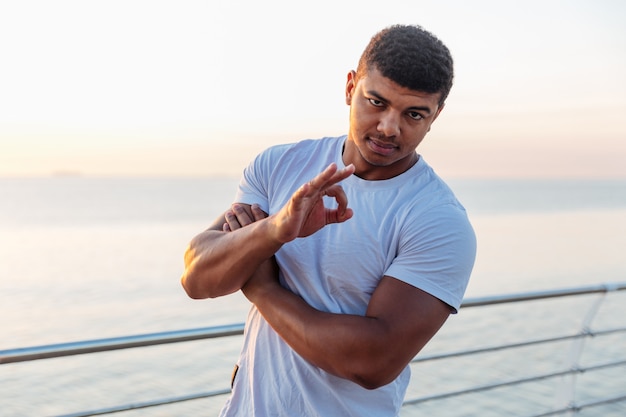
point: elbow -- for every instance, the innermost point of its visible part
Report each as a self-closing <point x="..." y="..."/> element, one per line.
<point x="193" y="290"/>
<point x="193" y="281"/>
<point x="190" y="290"/>
<point x="198" y="289"/>
<point x="374" y="376"/>
<point x="372" y="382"/>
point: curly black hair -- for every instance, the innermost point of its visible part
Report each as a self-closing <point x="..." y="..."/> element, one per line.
<point x="411" y="57"/>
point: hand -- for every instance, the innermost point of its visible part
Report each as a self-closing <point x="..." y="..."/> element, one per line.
<point x="305" y="213"/>
<point x="241" y="215"/>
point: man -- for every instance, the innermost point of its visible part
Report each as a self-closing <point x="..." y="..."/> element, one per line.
<point x="352" y="250"/>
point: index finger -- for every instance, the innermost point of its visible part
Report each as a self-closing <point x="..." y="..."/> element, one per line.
<point x="331" y="176"/>
<point x="337" y="192"/>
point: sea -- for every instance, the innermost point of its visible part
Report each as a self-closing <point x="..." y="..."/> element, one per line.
<point x="86" y="258"/>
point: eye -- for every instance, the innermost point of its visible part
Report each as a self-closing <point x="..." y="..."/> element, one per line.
<point x="375" y="102"/>
<point x="415" y="115"/>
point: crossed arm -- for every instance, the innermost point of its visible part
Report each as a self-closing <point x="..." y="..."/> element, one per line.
<point x="219" y="263"/>
<point x="237" y="253"/>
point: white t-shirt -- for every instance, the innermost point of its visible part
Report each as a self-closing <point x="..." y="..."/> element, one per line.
<point x="410" y="227"/>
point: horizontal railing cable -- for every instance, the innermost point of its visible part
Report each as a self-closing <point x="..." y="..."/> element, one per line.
<point x="518" y="381"/>
<point x="147" y="404"/>
<point x="539" y="295"/>
<point x="581" y="407"/>
<point x="116" y="343"/>
<point x="468" y="352"/>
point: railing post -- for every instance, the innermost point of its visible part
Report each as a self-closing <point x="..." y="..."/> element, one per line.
<point x="566" y="391"/>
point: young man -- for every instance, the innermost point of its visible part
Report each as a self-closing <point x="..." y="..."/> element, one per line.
<point x="351" y="249"/>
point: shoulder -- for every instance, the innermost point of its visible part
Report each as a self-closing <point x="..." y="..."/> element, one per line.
<point x="421" y="194"/>
<point x="301" y="156"/>
<point x="306" y="147"/>
<point x="279" y="170"/>
<point x="432" y="216"/>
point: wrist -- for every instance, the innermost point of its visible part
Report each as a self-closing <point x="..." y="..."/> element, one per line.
<point x="263" y="282"/>
<point x="270" y="230"/>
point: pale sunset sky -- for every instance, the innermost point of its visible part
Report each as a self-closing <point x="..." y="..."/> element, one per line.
<point x="160" y="88"/>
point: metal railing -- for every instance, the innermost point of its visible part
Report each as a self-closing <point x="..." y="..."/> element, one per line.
<point x="570" y="407"/>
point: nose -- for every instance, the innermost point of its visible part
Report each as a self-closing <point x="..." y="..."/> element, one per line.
<point x="389" y="124"/>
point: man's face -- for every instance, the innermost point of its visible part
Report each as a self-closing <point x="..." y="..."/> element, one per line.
<point x="387" y="123"/>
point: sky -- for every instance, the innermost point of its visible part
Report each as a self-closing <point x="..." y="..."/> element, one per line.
<point x="196" y="88"/>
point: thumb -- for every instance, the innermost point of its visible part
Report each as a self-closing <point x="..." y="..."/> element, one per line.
<point x="338" y="216"/>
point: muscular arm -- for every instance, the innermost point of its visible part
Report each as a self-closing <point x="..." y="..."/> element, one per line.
<point x="369" y="350"/>
<point x="218" y="262"/>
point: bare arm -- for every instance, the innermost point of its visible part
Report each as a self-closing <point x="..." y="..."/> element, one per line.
<point x="218" y="262"/>
<point x="369" y="350"/>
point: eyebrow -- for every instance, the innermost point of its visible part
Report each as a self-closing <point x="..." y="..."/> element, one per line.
<point x="419" y="108"/>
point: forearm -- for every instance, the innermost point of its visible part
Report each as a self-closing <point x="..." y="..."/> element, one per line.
<point x="348" y="346"/>
<point x="219" y="263"/>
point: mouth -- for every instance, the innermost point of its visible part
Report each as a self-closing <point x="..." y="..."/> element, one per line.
<point x="380" y="147"/>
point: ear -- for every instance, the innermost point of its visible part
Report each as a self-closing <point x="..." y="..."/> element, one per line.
<point x="350" y="85"/>
<point x="439" y="111"/>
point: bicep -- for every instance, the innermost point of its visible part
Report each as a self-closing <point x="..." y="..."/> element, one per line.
<point x="409" y="315"/>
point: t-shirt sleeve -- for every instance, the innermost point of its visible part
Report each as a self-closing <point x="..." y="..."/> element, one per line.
<point x="436" y="254"/>
<point x="253" y="186"/>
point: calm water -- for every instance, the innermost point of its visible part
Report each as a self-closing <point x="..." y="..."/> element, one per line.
<point x="85" y="258"/>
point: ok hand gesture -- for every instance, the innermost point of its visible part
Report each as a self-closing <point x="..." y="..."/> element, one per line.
<point x="305" y="213"/>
